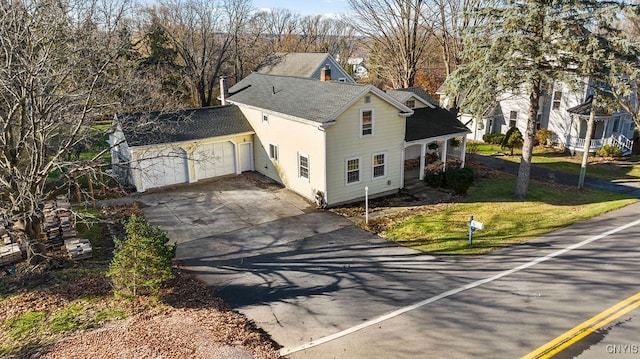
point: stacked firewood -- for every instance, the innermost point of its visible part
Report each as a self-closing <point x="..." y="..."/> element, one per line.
<point x="59" y="229"/>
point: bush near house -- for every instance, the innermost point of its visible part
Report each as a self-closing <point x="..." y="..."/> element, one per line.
<point x="456" y="179"/>
<point x="493" y="138"/>
<point x="512" y="139"/>
<point x="544" y="136"/>
<point x="609" y="151"/>
<point x="141" y="262"/>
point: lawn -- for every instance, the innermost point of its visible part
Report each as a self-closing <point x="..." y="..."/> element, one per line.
<point x="443" y="228"/>
<point x="557" y="160"/>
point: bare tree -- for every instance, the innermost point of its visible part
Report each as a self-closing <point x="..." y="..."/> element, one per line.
<point x="199" y="32"/>
<point x="398" y="34"/>
<point x="54" y="81"/>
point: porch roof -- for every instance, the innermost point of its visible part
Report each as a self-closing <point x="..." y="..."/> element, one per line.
<point x="583" y="110"/>
<point x="429" y="122"/>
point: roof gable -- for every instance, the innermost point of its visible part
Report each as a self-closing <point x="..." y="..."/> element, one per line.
<point x="418" y="93"/>
<point x="303" y="98"/>
<point x="153" y="128"/>
<point x="301" y="64"/>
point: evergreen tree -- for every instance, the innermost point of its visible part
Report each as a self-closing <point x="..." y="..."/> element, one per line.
<point x="141" y="262"/>
<point x="520" y="46"/>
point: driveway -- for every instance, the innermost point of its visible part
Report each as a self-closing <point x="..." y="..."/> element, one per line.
<point x="299" y="273"/>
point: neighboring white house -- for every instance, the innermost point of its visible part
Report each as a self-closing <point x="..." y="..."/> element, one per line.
<point x="562" y="111"/>
<point x="358" y="67"/>
<point x="326" y="140"/>
<point x="304" y="64"/>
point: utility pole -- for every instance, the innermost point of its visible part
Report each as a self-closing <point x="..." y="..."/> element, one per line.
<point x="587" y="143"/>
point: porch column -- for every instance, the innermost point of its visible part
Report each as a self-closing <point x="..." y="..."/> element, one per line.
<point x="463" y="155"/>
<point x="423" y="153"/>
<point x="444" y="155"/>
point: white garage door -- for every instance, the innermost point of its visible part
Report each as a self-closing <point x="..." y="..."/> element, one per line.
<point x="163" y="168"/>
<point x="214" y="159"/>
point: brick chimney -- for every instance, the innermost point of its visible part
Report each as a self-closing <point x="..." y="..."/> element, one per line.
<point x="325" y="73"/>
<point x="224" y="90"/>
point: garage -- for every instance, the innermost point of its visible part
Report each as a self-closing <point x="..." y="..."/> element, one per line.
<point x="214" y="159"/>
<point x="164" y="167"/>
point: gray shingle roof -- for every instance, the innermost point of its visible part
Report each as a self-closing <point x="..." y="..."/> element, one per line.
<point x="298" y="64"/>
<point x="152" y="128"/>
<point x="432" y="122"/>
<point x="304" y="98"/>
<point x="403" y="95"/>
<point x="584" y="109"/>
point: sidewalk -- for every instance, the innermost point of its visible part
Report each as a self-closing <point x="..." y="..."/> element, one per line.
<point x="629" y="187"/>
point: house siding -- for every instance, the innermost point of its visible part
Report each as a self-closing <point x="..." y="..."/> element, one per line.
<point x="292" y="138"/>
<point x="344" y="141"/>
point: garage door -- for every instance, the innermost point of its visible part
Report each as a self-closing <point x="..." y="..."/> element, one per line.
<point x="163" y="168"/>
<point x="214" y="159"/>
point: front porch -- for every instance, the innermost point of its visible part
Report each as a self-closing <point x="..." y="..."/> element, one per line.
<point x="577" y="144"/>
<point x="432" y="155"/>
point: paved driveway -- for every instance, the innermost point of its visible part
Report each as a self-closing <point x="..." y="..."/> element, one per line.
<point x="297" y="272"/>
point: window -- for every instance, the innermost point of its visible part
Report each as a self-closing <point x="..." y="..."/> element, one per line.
<point x="616" y="124"/>
<point x="342" y="79"/>
<point x="366" y="122"/>
<point x="367" y="99"/>
<point x="513" y="117"/>
<point x="353" y="170"/>
<point x="303" y="166"/>
<point x="273" y="152"/>
<point x="538" y="121"/>
<point x="379" y="168"/>
<point x="557" y="98"/>
<point x="265" y="118"/>
<point x="410" y="103"/>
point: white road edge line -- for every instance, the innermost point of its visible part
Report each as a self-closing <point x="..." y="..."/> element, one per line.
<point x="400" y="311"/>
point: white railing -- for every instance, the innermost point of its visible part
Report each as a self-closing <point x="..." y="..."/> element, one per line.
<point x="621" y="141"/>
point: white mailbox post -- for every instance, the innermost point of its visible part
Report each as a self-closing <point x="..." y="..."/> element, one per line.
<point x="473" y="226"/>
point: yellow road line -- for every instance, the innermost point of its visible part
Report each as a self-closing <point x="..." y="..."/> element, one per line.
<point x="589" y="326"/>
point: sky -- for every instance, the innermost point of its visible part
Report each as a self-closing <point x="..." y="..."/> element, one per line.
<point x="306" y="7"/>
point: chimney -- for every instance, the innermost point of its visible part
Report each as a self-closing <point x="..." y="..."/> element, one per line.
<point x="325" y="73"/>
<point x="224" y="90"/>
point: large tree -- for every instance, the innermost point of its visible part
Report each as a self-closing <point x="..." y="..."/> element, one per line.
<point x="521" y="46"/>
<point x="57" y="58"/>
<point x="203" y="33"/>
<point x="397" y="34"/>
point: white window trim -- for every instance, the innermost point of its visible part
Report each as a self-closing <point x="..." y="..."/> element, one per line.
<point x="346" y="170"/>
<point x="276" y="158"/>
<point x="265" y="118"/>
<point x="373" y="166"/>
<point x="300" y="154"/>
<point x="558" y="101"/>
<point x="373" y="121"/>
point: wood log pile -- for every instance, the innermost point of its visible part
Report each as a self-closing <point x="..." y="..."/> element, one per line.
<point x="10" y="252"/>
<point x="59" y="228"/>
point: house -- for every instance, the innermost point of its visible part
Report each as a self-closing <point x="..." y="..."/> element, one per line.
<point x="561" y="110"/>
<point x="326" y="140"/>
<point x="358" y="67"/>
<point x="304" y="64"/>
<point x="150" y="150"/>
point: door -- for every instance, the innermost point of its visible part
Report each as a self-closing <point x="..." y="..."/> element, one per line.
<point x="214" y="159"/>
<point x="165" y="167"/>
<point x="245" y="150"/>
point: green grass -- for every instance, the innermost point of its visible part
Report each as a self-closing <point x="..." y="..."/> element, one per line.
<point x="507" y="220"/>
<point x="556" y="160"/>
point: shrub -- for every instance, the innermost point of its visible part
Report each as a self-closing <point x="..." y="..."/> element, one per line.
<point x="141" y="262"/>
<point x="512" y="139"/>
<point x="459" y="179"/>
<point x="609" y="151"/>
<point x="493" y="138"/>
<point x="544" y="136"/>
<point x="435" y="179"/>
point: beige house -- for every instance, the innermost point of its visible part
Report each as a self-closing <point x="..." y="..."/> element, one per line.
<point x="329" y="141"/>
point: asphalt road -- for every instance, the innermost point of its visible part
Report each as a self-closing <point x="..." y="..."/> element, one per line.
<point x="521" y="308"/>
<point x="322" y="288"/>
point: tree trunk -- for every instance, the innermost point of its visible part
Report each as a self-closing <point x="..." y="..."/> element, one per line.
<point x="524" y="171"/>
